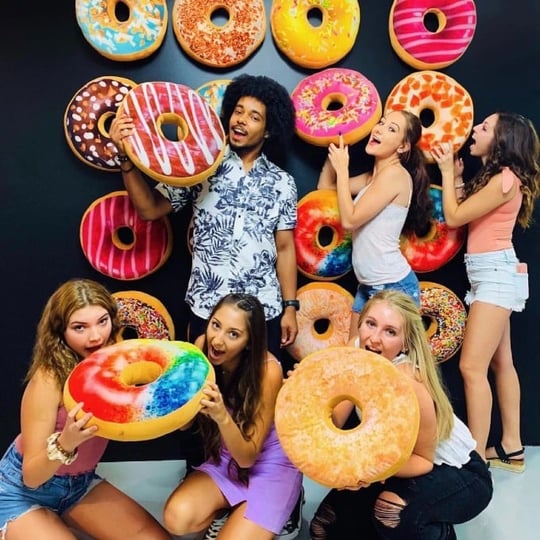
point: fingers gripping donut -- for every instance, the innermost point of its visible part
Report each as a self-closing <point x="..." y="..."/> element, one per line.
<point x="370" y="452"/>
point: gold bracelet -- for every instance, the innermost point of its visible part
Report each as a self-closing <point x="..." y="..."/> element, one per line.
<point x="459" y="186"/>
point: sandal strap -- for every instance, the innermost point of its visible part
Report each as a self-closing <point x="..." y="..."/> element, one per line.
<point x="507" y="458"/>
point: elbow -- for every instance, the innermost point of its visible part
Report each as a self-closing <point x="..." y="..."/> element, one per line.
<point x="452" y="222"/>
<point x="347" y="225"/>
<point x="247" y="462"/>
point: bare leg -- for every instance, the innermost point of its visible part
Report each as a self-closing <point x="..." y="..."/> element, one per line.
<point x="38" y="524"/>
<point x="238" y="527"/>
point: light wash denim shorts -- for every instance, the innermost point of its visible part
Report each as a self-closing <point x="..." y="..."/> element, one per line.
<point x="408" y="285"/>
<point x="498" y="278"/>
<point x="58" y="494"/>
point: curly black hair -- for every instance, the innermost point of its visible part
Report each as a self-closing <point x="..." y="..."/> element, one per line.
<point x="280" y="114"/>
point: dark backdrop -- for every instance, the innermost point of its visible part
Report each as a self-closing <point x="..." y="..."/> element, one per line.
<point x="45" y="189"/>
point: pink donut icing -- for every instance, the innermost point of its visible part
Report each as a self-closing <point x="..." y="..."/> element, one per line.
<point x="423" y="49"/>
<point x="357" y="106"/>
<point x="201" y="139"/>
<point x="111" y="255"/>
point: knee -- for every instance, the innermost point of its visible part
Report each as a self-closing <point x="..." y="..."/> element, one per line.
<point x="388" y="507"/>
<point x="176" y="517"/>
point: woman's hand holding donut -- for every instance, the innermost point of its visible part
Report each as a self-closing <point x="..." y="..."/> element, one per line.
<point x="444" y="156"/>
<point x="120" y="128"/>
<point x="212" y="404"/>
<point x="338" y="154"/>
<point x="75" y="432"/>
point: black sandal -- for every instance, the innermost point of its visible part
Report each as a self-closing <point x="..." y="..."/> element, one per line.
<point x="508" y="462"/>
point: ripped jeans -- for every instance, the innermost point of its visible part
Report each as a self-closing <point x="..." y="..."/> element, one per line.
<point x="429" y="506"/>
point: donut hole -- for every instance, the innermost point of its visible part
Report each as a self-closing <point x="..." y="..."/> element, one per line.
<point x="430" y="325"/>
<point x="121" y="11"/>
<point x="220" y="17"/>
<point x="327" y="237"/>
<point x="315" y="17"/>
<point x="140" y="373"/>
<point x="354" y="419"/>
<point x="334" y="102"/>
<point x="321" y="327"/>
<point x="128" y="332"/>
<point x="104" y="123"/>
<point x="434" y="21"/>
<point x="427" y="117"/>
<point x="172" y="127"/>
<point x="123" y="238"/>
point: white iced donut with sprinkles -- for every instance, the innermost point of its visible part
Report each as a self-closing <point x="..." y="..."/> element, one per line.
<point x="118" y="243"/>
<point x="422" y="48"/>
<point x="136" y="36"/>
<point x="335" y="101"/>
<point x="87" y="116"/>
<point x="187" y="156"/>
<point x="441" y="96"/>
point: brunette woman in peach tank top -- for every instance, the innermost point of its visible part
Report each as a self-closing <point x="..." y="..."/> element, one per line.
<point x="501" y="194"/>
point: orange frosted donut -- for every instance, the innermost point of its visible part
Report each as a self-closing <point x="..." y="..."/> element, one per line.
<point x="118" y="243"/>
<point x="441" y="243"/>
<point x="447" y="317"/>
<point x="213" y="92"/>
<point x="143" y="314"/>
<point x="139" y="389"/>
<point x="135" y="35"/>
<point x="317" y="216"/>
<point x="86" y="120"/>
<point x="323" y="319"/>
<point x="203" y="37"/>
<point x="335" y="101"/>
<point x="444" y="98"/>
<point x="189" y="156"/>
<point x="315" y="46"/>
<point x="431" y="49"/>
<point x="371" y="451"/>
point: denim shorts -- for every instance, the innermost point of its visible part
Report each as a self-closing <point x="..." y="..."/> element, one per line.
<point x="498" y="278"/>
<point x="58" y="494"/>
<point x="408" y="285"/>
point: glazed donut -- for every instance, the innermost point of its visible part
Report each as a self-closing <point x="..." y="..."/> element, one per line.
<point x="214" y="45"/>
<point x="312" y="46"/>
<point x="318" y="214"/>
<point x="421" y="48"/>
<point x="196" y="152"/>
<point x="371" y="451"/>
<point x="139" y="389"/>
<point x="335" y="101"/>
<point x="323" y="319"/>
<point x="86" y="119"/>
<point x="433" y="250"/>
<point x="118" y="243"/>
<point x="213" y="92"/>
<point x="144" y="314"/>
<point x="450" y="104"/>
<point x="138" y="36"/>
<point x="446" y="316"/>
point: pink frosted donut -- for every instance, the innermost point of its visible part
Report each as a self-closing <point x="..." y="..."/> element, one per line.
<point x="422" y="48"/>
<point x="189" y="156"/>
<point x="323" y="319"/>
<point x="334" y="101"/>
<point x="86" y="116"/>
<point x="126" y="259"/>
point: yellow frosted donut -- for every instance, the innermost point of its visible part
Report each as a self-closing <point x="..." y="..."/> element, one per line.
<point x="371" y="451"/>
<point x="323" y="319"/>
<point x="138" y="36"/>
<point x="315" y="46"/>
<point x="219" y="45"/>
<point x="448" y="102"/>
<point x="139" y="389"/>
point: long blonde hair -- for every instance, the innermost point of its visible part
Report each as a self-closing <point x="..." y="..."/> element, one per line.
<point x="51" y="353"/>
<point x="419" y="353"/>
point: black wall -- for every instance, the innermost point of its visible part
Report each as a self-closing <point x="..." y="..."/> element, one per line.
<point x="45" y="189"/>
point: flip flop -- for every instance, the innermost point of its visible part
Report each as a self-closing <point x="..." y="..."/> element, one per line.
<point x="508" y="462"/>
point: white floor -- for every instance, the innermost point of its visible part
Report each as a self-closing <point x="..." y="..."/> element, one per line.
<point x="511" y="514"/>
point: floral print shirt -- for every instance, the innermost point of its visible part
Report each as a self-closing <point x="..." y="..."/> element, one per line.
<point x="235" y="217"/>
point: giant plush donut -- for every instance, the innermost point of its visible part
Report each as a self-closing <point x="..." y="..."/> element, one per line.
<point x="118" y="243"/>
<point x="213" y="91"/>
<point x="425" y="49"/>
<point x="189" y="155"/>
<point x="431" y="92"/>
<point x="136" y="36"/>
<point x="318" y="216"/>
<point x="139" y="389"/>
<point x="144" y="314"/>
<point x="439" y="245"/>
<point x="319" y="46"/>
<point x="446" y="316"/>
<point x="333" y="102"/>
<point x="219" y="45"/>
<point x="370" y="452"/>
<point x="323" y="319"/>
<point x="87" y="117"/>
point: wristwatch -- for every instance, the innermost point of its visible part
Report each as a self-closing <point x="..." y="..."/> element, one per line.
<point x="294" y="303"/>
<point x="56" y="453"/>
